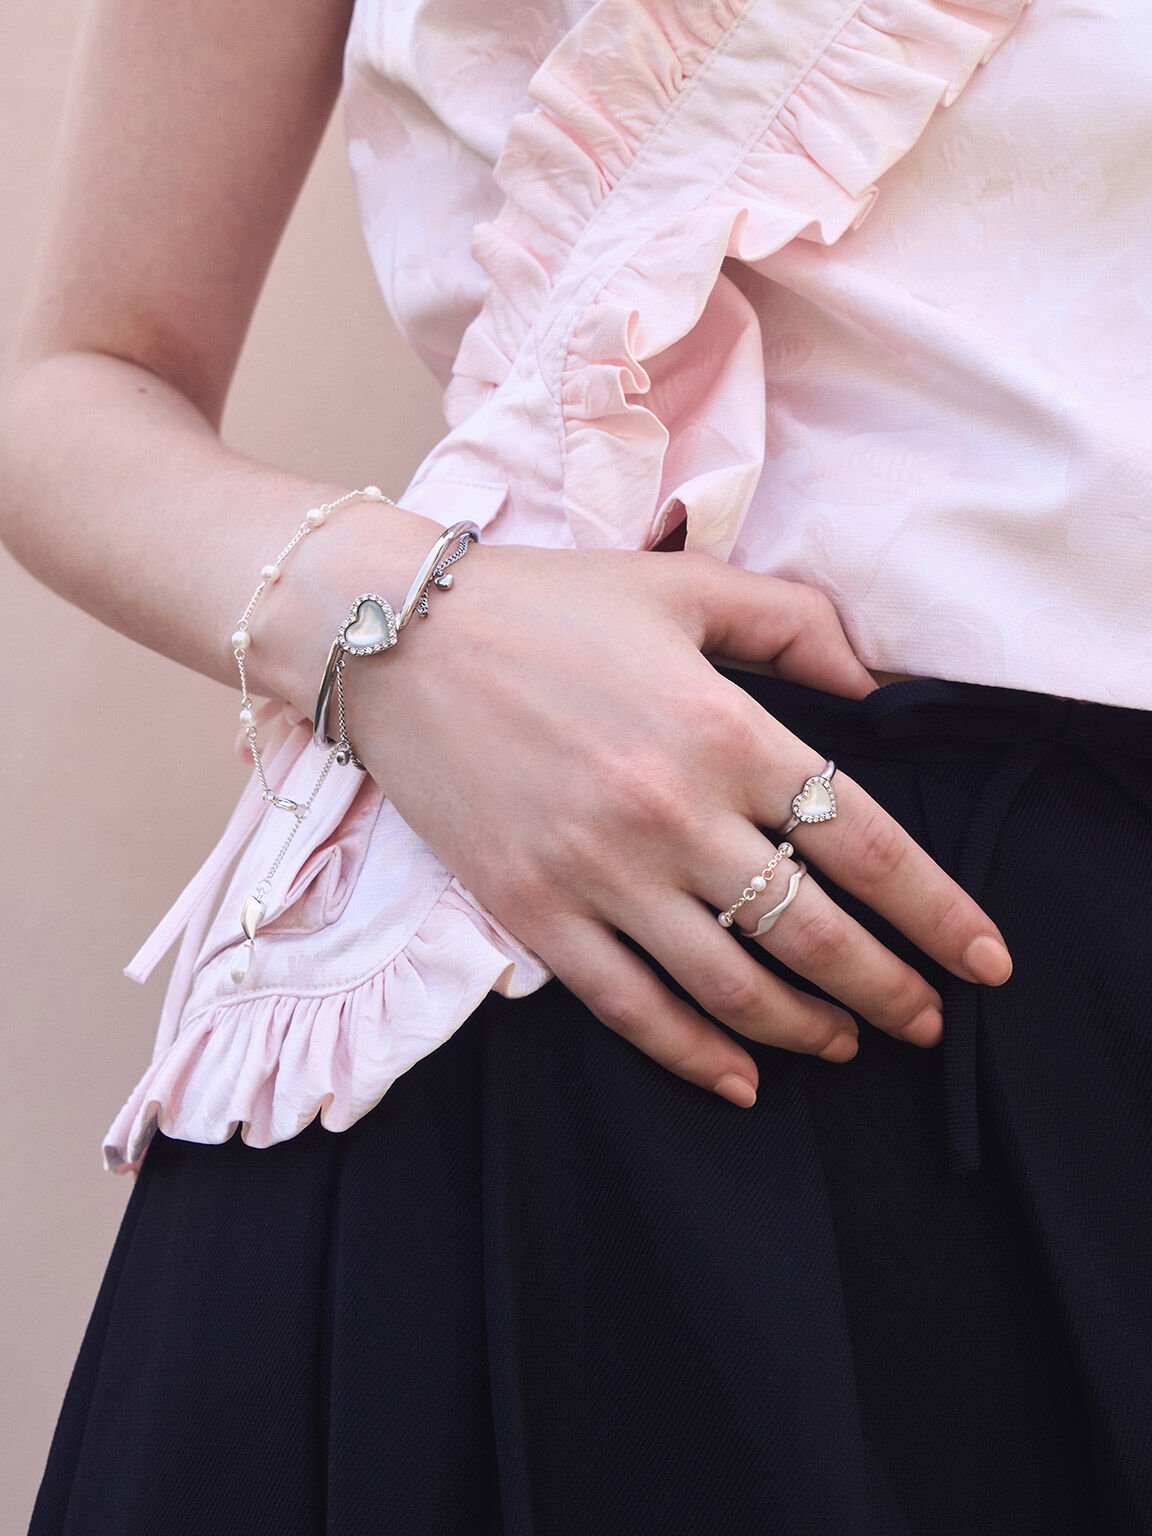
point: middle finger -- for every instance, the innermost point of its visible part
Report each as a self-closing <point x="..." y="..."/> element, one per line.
<point x="815" y="937"/>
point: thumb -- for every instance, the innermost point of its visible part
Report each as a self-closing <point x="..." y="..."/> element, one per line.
<point x="740" y="615"/>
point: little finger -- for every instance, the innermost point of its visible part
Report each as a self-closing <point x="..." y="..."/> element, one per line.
<point x="685" y="939"/>
<point x="621" y="991"/>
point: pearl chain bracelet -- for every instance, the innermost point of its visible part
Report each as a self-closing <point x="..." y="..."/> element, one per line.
<point x="253" y="908"/>
<point x="757" y="884"/>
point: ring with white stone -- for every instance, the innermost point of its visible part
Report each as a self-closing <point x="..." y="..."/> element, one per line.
<point x="816" y="800"/>
<point x="757" y="884"/>
<point x="770" y="917"/>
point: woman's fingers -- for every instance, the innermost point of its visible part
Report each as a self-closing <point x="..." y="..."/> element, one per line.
<point x="866" y="851"/>
<point x="625" y="994"/>
<point x="817" y="939"/>
<point x="731" y="984"/>
<point x="752" y="617"/>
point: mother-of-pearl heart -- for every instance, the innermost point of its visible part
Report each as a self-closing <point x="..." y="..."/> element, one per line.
<point x="816" y="801"/>
<point x="370" y="627"/>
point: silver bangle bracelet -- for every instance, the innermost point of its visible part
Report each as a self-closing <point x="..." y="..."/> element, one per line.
<point x="379" y="624"/>
<point x="435" y="569"/>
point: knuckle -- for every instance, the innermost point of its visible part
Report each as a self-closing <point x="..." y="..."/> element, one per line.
<point x="521" y="889"/>
<point x="733" y="996"/>
<point x="907" y="999"/>
<point x="809" y="604"/>
<point x="622" y="1009"/>
<point x="651" y="796"/>
<point x="820" y="604"/>
<point x="642" y="786"/>
<point x="951" y="922"/>
<point x="695" y="579"/>
<point x="878" y="848"/>
<point x="812" y="1029"/>
<point x="816" y="1036"/>
<point x="692" y="1060"/>
<point x="713" y="719"/>
<point x="817" y="936"/>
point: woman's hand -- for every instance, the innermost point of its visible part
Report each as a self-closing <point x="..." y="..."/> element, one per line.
<point x="555" y="733"/>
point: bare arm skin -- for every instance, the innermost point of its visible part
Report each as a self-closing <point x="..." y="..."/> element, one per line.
<point x="593" y="773"/>
<point x="189" y="131"/>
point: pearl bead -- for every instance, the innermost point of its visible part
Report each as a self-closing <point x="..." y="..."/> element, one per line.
<point x="725" y="920"/>
<point x="241" y="640"/>
<point x="758" y="883"/>
<point x="246" y="717"/>
<point x="786" y="849"/>
<point x="373" y="493"/>
<point x="270" y="573"/>
<point x="316" y="516"/>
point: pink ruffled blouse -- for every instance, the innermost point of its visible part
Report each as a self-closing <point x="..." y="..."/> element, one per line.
<point x="859" y="290"/>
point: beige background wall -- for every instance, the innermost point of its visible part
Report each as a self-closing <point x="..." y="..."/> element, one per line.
<point x="116" y="766"/>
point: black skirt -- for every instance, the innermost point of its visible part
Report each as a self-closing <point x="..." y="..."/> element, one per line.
<point x="546" y="1288"/>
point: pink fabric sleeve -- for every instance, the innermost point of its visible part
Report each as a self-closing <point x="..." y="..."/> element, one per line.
<point x="611" y="374"/>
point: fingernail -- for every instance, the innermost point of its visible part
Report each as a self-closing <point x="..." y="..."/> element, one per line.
<point x="925" y="1029"/>
<point x="988" y="960"/>
<point x="841" y="1048"/>
<point x="738" y="1090"/>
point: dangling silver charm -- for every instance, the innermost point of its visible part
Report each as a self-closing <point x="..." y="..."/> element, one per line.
<point x="250" y="914"/>
<point x="241" y="961"/>
<point x="445" y="581"/>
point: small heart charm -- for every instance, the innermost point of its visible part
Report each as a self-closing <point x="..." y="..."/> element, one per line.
<point x="370" y="627"/>
<point x="816" y="801"/>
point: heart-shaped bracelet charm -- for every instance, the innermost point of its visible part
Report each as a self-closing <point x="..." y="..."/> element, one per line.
<point x="816" y="801"/>
<point x="369" y="627"/>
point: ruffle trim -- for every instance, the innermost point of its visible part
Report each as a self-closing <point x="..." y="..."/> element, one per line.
<point x="810" y="172"/>
<point x="270" y="1063"/>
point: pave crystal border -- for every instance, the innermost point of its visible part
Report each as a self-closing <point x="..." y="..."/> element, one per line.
<point x="386" y="608"/>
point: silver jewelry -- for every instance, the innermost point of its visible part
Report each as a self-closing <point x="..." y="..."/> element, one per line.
<point x="253" y="908"/>
<point x="434" y="570"/>
<point x="816" y="800"/>
<point x="757" y="884"/>
<point x="373" y="625"/>
<point x="769" y="918"/>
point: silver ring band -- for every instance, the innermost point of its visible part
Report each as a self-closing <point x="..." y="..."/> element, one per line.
<point x="769" y="918"/>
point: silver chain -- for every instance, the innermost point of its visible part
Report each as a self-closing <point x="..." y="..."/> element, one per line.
<point x="341" y="750"/>
<point x="757" y="884"/>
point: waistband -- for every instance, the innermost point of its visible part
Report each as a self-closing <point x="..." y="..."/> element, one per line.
<point x="1016" y="732"/>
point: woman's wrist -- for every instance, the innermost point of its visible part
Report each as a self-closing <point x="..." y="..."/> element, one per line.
<point x="363" y="546"/>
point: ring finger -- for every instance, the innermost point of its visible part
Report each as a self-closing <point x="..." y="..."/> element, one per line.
<point x="816" y="938"/>
<point x="731" y="985"/>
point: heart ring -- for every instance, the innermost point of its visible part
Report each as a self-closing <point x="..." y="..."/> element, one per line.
<point x="816" y="800"/>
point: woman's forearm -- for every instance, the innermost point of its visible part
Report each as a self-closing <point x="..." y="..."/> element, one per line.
<point x="116" y="492"/>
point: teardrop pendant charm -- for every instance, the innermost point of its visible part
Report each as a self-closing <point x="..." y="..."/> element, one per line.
<point x="250" y="914"/>
<point x="241" y="961"/>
